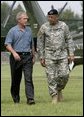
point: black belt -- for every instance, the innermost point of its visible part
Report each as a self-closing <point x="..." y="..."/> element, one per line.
<point x="23" y="53"/>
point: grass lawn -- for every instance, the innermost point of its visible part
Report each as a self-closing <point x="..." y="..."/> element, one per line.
<point x="73" y="95"/>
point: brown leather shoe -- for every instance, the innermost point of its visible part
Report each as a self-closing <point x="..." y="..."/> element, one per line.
<point x="30" y="102"/>
<point x="60" y="96"/>
<point x="16" y="98"/>
<point x="54" y="99"/>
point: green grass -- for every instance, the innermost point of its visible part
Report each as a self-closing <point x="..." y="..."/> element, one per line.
<point x="73" y="95"/>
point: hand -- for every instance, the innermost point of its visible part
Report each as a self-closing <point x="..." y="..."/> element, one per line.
<point x="33" y="60"/>
<point x="42" y="61"/>
<point x="71" y="58"/>
<point x="16" y="56"/>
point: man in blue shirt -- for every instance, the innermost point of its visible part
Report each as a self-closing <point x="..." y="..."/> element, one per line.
<point x="19" y="42"/>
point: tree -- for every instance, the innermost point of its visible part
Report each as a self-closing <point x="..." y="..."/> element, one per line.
<point x="82" y="8"/>
<point x="69" y="14"/>
<point x="4" y="10"/>
<point x="70" y="18"/>
<point x="12" y="20"/>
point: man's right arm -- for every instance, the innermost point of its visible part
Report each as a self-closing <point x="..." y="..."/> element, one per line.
<point x="41" y="46"/>
<point x="41" y="42"/>
<point x="8" y="44"/>
<point x="70" y="44"/>
<point x="13" y="52"/>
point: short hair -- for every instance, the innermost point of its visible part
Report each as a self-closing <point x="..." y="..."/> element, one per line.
<point x="19" y="14"/>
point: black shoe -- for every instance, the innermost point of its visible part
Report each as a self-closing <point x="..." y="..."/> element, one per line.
<point x="30" y="102"/>
<point x="16" y="99"/>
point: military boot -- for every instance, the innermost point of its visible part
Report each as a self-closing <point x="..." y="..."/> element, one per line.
<point x="60" y="96"/>
<point x="55" y="99"/>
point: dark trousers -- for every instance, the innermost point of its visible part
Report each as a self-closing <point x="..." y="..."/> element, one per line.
<point x="17" y="67"/>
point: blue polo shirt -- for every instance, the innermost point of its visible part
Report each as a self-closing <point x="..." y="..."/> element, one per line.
<point x="21" y="41"/>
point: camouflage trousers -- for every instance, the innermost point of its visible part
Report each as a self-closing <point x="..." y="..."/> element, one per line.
<point x="57" y="74"/>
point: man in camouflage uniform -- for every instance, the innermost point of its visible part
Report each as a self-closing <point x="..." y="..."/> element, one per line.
<point x="55" y="44"/>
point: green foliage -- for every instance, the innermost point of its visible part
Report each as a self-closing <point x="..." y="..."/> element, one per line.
<point x="67" y="14"/>
<point x="70" y="18"/>
<point x="82" y="8"/>
<point x="12" y="20"/>
<point x="73" y="95"/>
<point x="4" y="9"/>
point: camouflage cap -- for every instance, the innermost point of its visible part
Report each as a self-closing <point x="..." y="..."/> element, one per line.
<point x="53" y="12"/>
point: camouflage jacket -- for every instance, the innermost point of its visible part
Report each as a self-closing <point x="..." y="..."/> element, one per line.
<point x="54" y="42"/>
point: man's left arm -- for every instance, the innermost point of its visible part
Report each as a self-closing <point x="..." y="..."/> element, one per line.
<point x="70" y="43"/>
